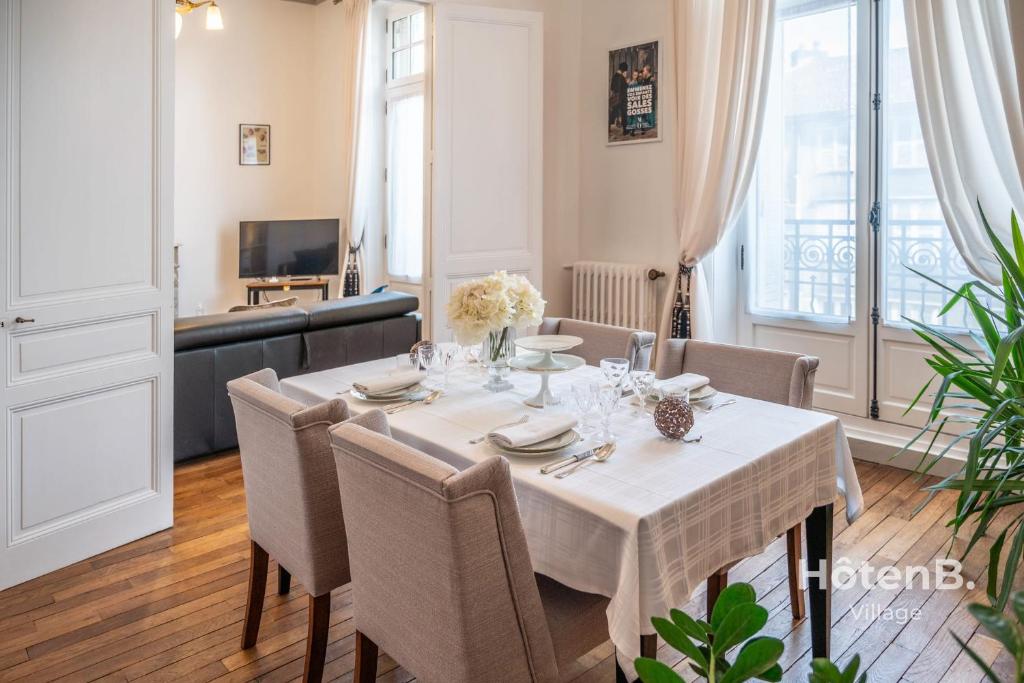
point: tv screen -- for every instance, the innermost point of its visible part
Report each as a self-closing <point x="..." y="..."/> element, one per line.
<point x="288" y="248"/>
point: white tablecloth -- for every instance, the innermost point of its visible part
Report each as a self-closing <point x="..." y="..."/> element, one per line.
<point x="647" y="527"/>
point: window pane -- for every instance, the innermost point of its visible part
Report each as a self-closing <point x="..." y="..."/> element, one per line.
<point x="400" y="63"/>
<point x="417" y="27"/>
<point x="405" y="187"/>
<point x="806" y="179"/>
<point x="416" y="67"/>
<point x="400" y="32"/>
<point x="915" y="232"/>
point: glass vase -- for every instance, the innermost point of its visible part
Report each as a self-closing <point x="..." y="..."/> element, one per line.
<point x="499" y="347"/>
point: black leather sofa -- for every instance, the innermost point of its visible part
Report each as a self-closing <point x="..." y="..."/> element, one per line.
<point x="210" y="350"/>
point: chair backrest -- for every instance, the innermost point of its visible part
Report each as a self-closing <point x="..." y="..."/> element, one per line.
<point x="776" y="376"/>
<point x="441" y="574"/>
<point x="291" y="483"/>
<point x="604" y="341"/>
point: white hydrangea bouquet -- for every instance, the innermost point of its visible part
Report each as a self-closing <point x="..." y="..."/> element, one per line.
<point x="488" y="310"/>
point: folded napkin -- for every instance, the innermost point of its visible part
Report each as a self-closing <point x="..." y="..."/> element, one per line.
<point x="688" y="381"/>
<point x="392" y="381"/>
<point x="532" y="431"/>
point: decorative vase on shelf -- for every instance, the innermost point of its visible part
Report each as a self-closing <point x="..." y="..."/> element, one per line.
<point x="499" y="347"/>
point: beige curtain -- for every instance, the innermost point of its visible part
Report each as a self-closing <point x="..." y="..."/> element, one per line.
<point x="356" y="36"/>
<point x="722" y="57"/>
<point x="969" y="100"/>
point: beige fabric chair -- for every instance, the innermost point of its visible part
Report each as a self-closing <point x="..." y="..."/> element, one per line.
<point x="442" y="579"/>
<point x="294" y="509"/>
<point x="604" y="341"/>
<point x="776" y="376"/>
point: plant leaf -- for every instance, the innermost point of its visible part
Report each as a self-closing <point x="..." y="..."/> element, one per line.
<point x="733" y="595"/>
<point x="689" y="626"/>
<point x="653" y="671"/>
<point x="996" y="623"/>
<point x="675" y="637"/>
<point x="756" y="657"/>
<point x="742" y="622"/>
<point x="986" y="669"/>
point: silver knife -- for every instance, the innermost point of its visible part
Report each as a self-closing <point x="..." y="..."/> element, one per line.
<point x="568" y="460"/>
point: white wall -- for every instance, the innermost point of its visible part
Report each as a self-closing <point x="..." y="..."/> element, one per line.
<point x="259" y="69"/>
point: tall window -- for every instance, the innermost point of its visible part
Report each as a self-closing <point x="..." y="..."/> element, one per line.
<point x="806" y="177"/>
<point x="914" y="231"/>
<point x="405" y="123"/>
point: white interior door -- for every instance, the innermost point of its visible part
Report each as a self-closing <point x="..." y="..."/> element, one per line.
<point x="487" y="175"/>
<point x="86" y="349"/>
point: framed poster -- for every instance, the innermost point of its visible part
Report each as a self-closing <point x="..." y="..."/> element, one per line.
<point x="253" y="144"/>
<point x="633" y="94"/>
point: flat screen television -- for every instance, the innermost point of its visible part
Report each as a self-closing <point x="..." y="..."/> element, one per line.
<point x="288" y="248"/>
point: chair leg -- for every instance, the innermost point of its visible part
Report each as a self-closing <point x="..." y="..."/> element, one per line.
<point x="316" y="637"/>
<point x="794" y="552"/>
<point x="284" y="580"/>
<point x="366" y="660"/>
<point x="258" y="561"/>
<point x="716" y="584"/>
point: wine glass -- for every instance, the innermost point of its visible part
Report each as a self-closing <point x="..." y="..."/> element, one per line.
<point x="446" y="356"/>
<point x="643" y="382"/>
<point x="427" y="353"/>
<point x="607" y="401"/>
<point x="614" y="370"/>
<point x="584" y="395"/>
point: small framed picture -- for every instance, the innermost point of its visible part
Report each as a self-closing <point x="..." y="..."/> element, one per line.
<point x="633" y="94"/>
<point x="253" y="144"/>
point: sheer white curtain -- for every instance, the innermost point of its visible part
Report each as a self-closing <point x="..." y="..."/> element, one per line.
<point x="356" y="38"/>
<point x="968" y="97"/>
<point x="722" y="58"/>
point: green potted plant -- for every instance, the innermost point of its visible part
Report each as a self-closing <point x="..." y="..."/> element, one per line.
<point x="982" y="390"/>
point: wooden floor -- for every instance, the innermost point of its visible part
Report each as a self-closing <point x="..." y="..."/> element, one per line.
<point x="169" y="607"/>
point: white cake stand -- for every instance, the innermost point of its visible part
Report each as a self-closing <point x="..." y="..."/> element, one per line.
<point x="537" y="363"/>
<point x="546" y="345"/>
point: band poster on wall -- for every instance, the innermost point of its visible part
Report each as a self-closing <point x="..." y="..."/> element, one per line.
<point x="633" y="94"/>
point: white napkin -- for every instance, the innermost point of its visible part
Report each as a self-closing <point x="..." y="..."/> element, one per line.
<point x="688" y="381"/>
<point x="397" y="379"/>
<point x="533" y="431"/>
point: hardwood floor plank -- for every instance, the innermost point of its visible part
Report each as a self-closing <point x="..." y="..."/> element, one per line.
<point x="169" y="607"/>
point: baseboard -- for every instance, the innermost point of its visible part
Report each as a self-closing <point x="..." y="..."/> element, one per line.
<point x="878" y="441"/>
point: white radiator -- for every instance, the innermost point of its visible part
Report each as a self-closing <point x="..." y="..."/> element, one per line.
<point x="620" y="294"/>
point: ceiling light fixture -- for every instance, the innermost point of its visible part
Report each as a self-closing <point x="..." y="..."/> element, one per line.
<point x="214" y="20"/>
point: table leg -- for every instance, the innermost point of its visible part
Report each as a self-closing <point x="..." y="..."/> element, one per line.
<point x="648" y="648"/>
<point x="819" y="577"/>
<point x="324" y="292"/>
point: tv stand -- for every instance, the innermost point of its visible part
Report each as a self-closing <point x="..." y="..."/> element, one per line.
<point x="254" y="289"/>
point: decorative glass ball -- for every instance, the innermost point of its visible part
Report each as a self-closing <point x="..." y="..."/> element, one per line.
<point x="673" y="417"/>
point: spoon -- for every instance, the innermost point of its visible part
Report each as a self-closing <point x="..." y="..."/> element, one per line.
<point x="600" y="455"/>
<point x="520" y="421"/>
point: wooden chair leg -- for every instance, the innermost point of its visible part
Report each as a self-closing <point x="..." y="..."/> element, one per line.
<point x="716" y="584"/>
<point x="284" y="580"/>
<point x="365" y="670"/>
<point x="316" y="637"/>
<point x="258" y="561"/>
<point x="794" y="552"/>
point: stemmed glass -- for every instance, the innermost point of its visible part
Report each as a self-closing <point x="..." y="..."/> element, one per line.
<point x="643" y="382"/>
<point x="615" y="369"/>
<point x="427" y="353"/>
<point x="607" y="400"/>
<point x="584" y="395"/>
<point x="446" y="356"/>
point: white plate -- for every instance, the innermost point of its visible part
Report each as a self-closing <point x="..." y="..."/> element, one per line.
<point x="563" y="362"/>
<point x="409" y="393"/>
<point x="541" y="448"/>
<point x="549" y="342"/>
<point x="702" y="395"/>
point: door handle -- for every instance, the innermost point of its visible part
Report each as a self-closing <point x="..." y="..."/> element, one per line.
<point x="19" y="319"/>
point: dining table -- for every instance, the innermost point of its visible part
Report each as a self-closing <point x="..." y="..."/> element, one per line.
<point x="650" y="524"/>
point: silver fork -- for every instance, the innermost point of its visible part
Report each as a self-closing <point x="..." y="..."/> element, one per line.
<point x="716" y="406"/>
<point x="520" y="421"/>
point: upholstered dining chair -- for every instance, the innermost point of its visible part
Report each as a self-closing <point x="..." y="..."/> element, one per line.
<point x="294" y="509"/>
<point x="776" y="376"/>
<point x="441" y="573"/>
<point x="604" y="341"/>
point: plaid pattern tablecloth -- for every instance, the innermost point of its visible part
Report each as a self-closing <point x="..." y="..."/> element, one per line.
<point x="648" y="526"/>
